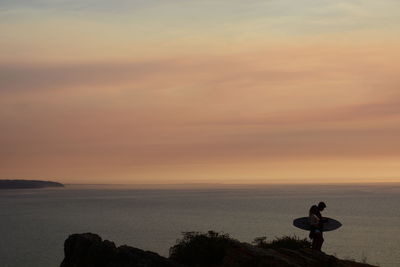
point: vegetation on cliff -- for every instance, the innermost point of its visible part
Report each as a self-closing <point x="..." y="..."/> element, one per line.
<point x="201" y="249"/>
<point x="196" y="249"/>
<point x="287" y="242"/>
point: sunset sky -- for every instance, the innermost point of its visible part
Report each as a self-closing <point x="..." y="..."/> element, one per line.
<point x="184" y="91"/>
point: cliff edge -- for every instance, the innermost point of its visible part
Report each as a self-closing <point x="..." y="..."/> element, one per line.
<point x="89" y="250"/>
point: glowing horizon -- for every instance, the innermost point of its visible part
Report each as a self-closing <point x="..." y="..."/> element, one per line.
<point x="198" y="92"/>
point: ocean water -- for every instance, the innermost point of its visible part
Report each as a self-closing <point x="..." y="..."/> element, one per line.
<point x="35" y="223"/>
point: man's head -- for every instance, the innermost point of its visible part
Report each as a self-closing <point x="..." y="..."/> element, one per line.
<point x="321" y="206"/>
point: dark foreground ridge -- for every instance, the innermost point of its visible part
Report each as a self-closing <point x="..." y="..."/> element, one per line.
<point x="198" y="250"/>
<point x="26" y="184"/>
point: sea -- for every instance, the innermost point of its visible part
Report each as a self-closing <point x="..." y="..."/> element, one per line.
<point x="34" y="223"/>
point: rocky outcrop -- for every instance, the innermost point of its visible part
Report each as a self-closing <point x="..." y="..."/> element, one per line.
<point x="89" y="250"/>
<point x="248" y="255"/>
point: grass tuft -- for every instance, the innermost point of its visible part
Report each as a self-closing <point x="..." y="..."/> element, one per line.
<point x="287" y="242"/>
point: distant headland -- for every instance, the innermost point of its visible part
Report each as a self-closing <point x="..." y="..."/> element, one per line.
<point x="27" y="184"/>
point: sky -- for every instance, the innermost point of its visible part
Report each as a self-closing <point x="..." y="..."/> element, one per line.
<point x="183" y="91"/>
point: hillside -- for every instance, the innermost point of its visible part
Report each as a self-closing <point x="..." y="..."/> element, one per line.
<point x="198" y="250"/>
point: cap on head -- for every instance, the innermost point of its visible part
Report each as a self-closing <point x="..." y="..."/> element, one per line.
<point x="321" y="205"/>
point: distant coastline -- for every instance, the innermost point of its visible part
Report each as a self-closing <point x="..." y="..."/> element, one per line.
<point x="27" y="184"/>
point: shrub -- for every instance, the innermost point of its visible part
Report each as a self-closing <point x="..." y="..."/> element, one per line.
<point x="201" y="249"/>
<point x="288" y="242"/>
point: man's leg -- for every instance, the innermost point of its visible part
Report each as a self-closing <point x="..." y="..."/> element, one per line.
<point x="320" y="241"/>
<point x="317" y="241"/>
<point x="314" y="243"/>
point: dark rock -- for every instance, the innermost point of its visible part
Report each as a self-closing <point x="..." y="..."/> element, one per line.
<point x="89" y="250"/>
<point x="245" y="254"/>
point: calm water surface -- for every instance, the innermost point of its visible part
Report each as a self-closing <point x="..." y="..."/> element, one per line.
<point x="35" y="223"/>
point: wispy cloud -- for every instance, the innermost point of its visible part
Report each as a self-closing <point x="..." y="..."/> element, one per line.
<point x="57" y="76"/>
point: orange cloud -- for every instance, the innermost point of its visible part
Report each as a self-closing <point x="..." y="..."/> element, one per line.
<point x="204" y="116"/>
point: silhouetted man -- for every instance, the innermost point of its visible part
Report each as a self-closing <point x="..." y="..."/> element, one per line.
<point x="318" y="238"/>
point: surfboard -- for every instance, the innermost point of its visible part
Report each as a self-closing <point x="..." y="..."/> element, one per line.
<point x="328" y="225"/>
